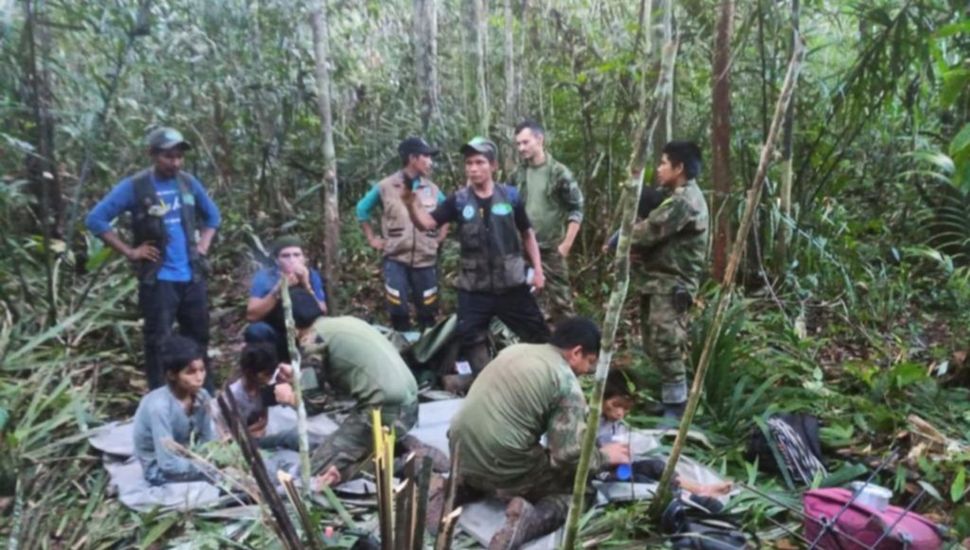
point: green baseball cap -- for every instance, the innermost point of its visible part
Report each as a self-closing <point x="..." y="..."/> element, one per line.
<point x="480" y="145"/>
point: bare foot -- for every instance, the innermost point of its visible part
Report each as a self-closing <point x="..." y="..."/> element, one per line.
<point x="330" y="477"/>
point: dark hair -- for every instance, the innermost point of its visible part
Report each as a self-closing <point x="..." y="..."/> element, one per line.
<point x="531" y="125"/>
<point x="258" y="357"/>
<point x="306" y="309"/>
<point x="685" y="153"/>
<point x="577" y="331"/>
<point x="616" y="386"/>
<point x="175" y="352"/>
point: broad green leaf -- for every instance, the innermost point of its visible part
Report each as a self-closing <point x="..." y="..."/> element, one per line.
<point x="959" y="485"/>
<point x="960" y="146"/>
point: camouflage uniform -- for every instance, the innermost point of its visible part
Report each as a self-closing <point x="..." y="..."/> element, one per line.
<point x="670" y="248"/>
<point x="552" y="200"/>
<point x="358" y="362"/>
<point x="528" y="390"/>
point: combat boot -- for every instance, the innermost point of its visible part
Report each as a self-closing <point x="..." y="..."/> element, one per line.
<point x="525" y="522"/>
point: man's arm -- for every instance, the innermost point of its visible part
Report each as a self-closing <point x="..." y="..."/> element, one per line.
<point x="662" y="223"/>
<point x="419" y="216"/>
<point x="259" y="307"/>
<point x="211" y="218"/>
<point x="531" y="246"/>
<point x="566" y="429"/>
<point x="98" y="221"/>
<point x="572" y="197"/>
<point x="572" y="229"/>
<point x="364" y="208"/>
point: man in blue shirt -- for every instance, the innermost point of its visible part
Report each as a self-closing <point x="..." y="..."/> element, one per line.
<point x="173" y="222"/>
<point x="265" y="307"/>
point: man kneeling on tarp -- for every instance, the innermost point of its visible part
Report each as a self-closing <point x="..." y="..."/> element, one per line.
<point x="357" y="362"/>
<point x="529" y="390"/>
<point x="176" y="412"/>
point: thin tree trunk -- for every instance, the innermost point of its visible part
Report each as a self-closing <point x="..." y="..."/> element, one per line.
<point x="425" y="31"/>
<point x="787" y="146"/>
<point x="727" y="284"/>
<point x="668" y="38"/>
<point x="643" y="145"/>
<point x="476" y="89"/>
<point x="721" y="137"/>
<point x="331" y="211"/>
<point x="511" y="97"/>
<point x="301" y="420"/>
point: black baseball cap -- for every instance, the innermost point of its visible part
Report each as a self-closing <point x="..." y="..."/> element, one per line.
<point x="415" y="146"/>
<point x="164" y="138"/>
<point x="481" y="146"/>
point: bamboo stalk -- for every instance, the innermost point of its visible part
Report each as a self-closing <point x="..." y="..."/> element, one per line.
<point x="301" y="421"/>
<point x="420" y="505"/>
<point x="447" y="532"/>
<point x="727" y="285"/>
<point x="629" y="199"/>
<point x="310" y="532"/>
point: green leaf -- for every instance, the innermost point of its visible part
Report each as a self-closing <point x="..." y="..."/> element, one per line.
<point x="955" y="82"/>
<point x="959" y="485"/>
<point x="960" y="146"/>
<point x="158" y="530"/>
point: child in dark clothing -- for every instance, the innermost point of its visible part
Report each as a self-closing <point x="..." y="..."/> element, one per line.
<point x="254" y="393"/>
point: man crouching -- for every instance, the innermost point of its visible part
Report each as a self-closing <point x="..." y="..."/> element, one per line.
<point x="529" y="390"/>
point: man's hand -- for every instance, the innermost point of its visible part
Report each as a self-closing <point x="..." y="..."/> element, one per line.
<point x="564" y="248"/>
<point x="284" y="373"/>
<point x="258" y="429"/>
<point x="376" y="243"/>
<point x="202" y="248"/>
<point x="407" y="195"/>
<point x="284" y="394"/>
<point x="538" y="279"/>
<point x="144" y="251"/>
<point x="329" y="477"/>
<point x="617" y="453"/>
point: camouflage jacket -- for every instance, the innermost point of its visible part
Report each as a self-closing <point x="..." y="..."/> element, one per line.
<point x="670" y="246"/>
<point x="558" y="202"/>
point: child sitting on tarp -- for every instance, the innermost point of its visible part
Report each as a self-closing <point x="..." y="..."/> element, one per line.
<point x="255" y="392"/>
<point x="176" y="412"/>
<point x="617" y="403"/>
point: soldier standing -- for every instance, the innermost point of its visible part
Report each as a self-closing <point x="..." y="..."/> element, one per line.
<point x="670" y="247"/>
<point x="554" y="204"/>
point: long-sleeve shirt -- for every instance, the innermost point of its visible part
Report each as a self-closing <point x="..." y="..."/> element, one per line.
<point x="528" y="390"/>
<point x="175" y="264"/>
<point x="160" y="418"/>
<point x="552" y="198"/>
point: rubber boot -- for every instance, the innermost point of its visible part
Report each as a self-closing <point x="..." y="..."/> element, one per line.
<point x="525" y="522"/>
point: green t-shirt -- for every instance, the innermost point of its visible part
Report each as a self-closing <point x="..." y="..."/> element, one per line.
<point x="528" y="390"/>
<point x="359" y="362"/>
<point x="552" y="199"/>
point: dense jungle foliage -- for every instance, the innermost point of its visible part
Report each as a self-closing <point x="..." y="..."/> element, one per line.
<point x="855" y="302"/>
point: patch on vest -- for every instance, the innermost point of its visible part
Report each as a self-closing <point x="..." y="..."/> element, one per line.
<point x="468" y="212"/>
<point x="502" y="209"/>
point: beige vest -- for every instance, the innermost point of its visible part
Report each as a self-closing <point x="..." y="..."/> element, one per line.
<point x="403" y="242"/>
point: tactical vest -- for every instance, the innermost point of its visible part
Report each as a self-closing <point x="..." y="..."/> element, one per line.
<point x="491" y="253"/>
<point x="403" y="242"/>
<point x="148" y="227"/>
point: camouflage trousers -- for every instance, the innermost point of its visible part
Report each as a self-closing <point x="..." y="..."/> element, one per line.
<point x="552" y="487"/>
<point x="663" y="330"/>
<point x="556" y="299"/>
<point x="353" y="442"/>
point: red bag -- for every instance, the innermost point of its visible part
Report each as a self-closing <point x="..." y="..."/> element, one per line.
<point x="860" y="526"/>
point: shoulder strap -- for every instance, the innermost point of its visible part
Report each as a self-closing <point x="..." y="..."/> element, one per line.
<point x="144" y="188"/>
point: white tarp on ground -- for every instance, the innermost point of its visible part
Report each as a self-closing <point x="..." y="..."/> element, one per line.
<point x="479" y="519"/>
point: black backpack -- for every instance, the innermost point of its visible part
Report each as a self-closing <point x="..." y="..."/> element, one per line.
<point x="788" y="444"/>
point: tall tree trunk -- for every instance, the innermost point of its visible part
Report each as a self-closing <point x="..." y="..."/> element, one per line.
<point x="780" y="256"/>
<point x="643" y="145"/>
<point x="425" y="32"/>
<point x="476" y="89"/>
<point x="42" y="168"/>
<point x="668" y="38"/>
<point x="511" y="95"/>
<point x="662" y="497"/>
<point x="721" y="137"/>
<point x="331" y="212"/>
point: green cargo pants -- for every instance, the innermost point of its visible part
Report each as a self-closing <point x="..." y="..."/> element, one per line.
<point x="663" y="330"/>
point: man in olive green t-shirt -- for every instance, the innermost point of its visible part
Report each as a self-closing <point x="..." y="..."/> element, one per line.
<point x="359" y="363"/>
<point x="554" y="204"/>
<point x="529" y="390"/>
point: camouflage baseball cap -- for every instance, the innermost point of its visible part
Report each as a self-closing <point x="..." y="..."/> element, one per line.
<point x="163" y="139"/>
<point x="480" y="145"/>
